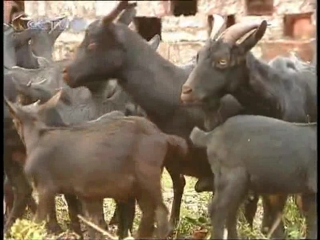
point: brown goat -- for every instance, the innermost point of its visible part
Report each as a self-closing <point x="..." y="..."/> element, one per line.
<point x="122" y="158"/>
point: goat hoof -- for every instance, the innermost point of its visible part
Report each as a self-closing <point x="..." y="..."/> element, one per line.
<point x="54" y="228"/>
<point x="171" y="229"/>
<point x="114" y="221"/>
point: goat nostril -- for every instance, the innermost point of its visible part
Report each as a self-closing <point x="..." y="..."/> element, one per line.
<point x="64" y="70"/>
<point x="186" y="89"/>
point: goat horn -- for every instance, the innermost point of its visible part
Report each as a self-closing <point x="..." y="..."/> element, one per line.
<point x="115" y="12"/>
<point x="29" y="84"/>
<point x="233" y="33"/>
<point x="218" y="25"/>
<point x="37" y="103"/>
<point x="26" y="18"/>
<point x="38" y="83"/>
<point x="19" y="16"/>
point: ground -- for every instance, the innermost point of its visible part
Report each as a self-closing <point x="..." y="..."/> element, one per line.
<point x="194" y="222"/>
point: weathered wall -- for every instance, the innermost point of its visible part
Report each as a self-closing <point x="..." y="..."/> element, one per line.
<point x="183" y="36"/>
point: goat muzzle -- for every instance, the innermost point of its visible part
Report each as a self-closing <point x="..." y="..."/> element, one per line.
<point x="66" y="76"/>
<point x="187" y="95"/>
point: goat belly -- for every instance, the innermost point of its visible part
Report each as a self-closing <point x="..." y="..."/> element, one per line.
<point x="116" y="187"/>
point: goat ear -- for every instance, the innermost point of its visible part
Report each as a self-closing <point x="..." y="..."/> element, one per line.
<point x="154" y="42"/>
<point x="115" y="12"/>
<point x="58" y="28"/>
<point x="254" y="37"/>
<point x="13" y="108"/>
<point x="127" y="16"/>
<point x="24" y="36"/>
<point x="65" y="97"/>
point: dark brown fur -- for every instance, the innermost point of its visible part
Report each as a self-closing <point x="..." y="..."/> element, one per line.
<point x="121" y="159"/>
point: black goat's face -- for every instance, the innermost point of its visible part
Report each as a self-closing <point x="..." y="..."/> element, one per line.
<point x="217" y="62"/>
<point x="221" y="65"/>
<point x="99" y="55"/>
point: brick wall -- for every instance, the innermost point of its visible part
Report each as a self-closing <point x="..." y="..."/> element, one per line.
<point x="182" y="36"/>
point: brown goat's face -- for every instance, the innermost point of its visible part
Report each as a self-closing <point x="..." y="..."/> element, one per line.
<point x="98" y="57"/>
<point x="31" y="114"/>
<point x="217" y="64"/>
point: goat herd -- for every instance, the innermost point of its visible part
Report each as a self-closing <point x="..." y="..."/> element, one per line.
<point x="104" y="124"/>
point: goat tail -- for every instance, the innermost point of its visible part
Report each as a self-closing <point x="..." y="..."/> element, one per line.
<point x="178" y="144"/>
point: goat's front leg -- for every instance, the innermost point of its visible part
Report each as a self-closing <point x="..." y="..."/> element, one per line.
<point x="21" y="189"/>
<point x="46" y="201"/>
<point x="126" y="211"/>
<point x="115" y="218"/>
<point x="178" y="182"/>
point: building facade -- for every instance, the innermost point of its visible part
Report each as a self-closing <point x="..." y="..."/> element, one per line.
<point x="184" y="25"/>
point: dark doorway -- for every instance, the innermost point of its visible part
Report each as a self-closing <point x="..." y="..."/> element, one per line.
<point x="184" y="7"/>
<point x="147" y="27"/>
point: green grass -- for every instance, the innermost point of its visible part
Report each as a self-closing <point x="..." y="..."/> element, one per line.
<point x="194" y="214"/>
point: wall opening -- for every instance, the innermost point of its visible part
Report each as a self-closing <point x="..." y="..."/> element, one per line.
<point x="259" y="7"/>
<point x="147" y="27"/>
<point x="231" y="20"/>
<point x="298" y="26"/>
<point x="184" y="7"/>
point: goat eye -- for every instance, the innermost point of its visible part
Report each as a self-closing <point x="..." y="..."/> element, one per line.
<point x="222" y="62"/>
<point x="92" y="46"/>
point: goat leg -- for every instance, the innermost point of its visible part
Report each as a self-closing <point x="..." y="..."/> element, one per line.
<point x="93" y="213"/>
<point x="115" y="218"/>
<point x="204" y="185"/>
<point x="310" y="206"/>
<point x="272" y="206"/>
<point x="74" y="209"/>
<point x="250" y="207"/>
<point x="126" y="213"/>
<point x="178" y="182"/>
<point x="21" y="189"/>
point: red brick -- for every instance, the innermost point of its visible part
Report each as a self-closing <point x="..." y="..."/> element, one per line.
<point x="303" y="28"/>
<point x="304" y="49"/>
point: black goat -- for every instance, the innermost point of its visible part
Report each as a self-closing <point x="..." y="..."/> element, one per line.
<point x="265" y="155"/>
<point x="285" y="89"/>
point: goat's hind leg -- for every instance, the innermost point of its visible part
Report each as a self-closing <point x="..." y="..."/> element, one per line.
<point x="310" y="206"/>
<point x="273" y="206"/>
<point x="178" y="182"/>
<point x="230" y="190"/>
